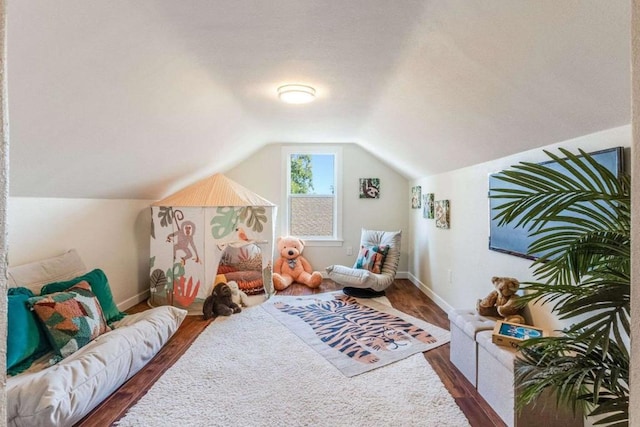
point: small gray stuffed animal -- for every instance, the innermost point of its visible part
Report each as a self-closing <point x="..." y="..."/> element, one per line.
<point x="219" y="303"/>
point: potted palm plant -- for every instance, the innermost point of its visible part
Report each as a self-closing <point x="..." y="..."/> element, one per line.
<point x="580" y="221"/>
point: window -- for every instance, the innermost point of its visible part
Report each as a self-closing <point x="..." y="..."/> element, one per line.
<point x="312" y="209"/>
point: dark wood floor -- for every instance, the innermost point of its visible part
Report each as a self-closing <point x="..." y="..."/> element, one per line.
<point x="403" y="295"/>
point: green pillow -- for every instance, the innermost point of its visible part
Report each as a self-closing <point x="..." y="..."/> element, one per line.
<point x="72" y="318"/>
<point x="99" y="286"/>
<point x="26" y="340"/>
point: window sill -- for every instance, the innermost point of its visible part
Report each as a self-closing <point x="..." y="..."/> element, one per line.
<point x="315" y="242"/>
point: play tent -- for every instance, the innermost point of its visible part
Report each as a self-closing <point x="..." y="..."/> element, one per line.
<point x="193" y="229"/>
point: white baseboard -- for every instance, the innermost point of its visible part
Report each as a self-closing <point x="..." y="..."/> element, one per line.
<point x="432" y="295"/>
<point x="130" y="302"/>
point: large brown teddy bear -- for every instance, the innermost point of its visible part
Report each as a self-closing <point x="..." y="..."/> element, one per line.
<point x="291" y="266"/>
<point x="503" y="301"/>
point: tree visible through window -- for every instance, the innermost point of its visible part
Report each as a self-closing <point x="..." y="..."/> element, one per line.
<point x="311" y="195"/>
<point x="301" y="174"/>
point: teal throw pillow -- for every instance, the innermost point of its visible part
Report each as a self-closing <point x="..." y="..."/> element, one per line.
<point x="372" y="258"/>
<point x="72" y="318"/>
<point x="26" y="340"/>
<point x="99" y="286"/>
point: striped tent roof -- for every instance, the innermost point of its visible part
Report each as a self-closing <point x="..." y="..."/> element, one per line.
<point x="216" y="190"/>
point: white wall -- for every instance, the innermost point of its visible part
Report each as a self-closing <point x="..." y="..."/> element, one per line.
<point x="262" y="173"/>
<point x="109" y="234"/>
<point x="462" y="249"/>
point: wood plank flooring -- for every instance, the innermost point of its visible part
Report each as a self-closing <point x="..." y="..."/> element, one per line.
<point x="403" y="295"/>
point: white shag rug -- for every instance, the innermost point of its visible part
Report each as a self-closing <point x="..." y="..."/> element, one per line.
<point x="250" y="370"/>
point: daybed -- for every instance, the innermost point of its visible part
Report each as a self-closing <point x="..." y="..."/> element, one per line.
<point x="63" y="393"/>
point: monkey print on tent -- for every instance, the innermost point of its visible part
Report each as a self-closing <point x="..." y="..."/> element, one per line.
<point x="188" y="242"/>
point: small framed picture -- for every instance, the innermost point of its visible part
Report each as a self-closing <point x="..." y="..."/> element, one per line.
<point x="416" y="197"/>
<point x="441" y="209"/>
<point x="369" y="188"/>
<point x="427" y="201"/>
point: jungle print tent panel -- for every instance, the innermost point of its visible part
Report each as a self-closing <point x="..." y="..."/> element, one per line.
<point x="187" y="242"/>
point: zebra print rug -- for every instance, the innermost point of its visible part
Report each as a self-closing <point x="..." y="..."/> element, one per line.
<point x="355" y="335"/>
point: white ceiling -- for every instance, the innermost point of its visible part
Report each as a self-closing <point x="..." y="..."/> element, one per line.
<point x="135" y="99"/>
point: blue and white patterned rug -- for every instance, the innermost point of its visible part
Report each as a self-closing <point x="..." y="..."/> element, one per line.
<point x="355" y="335"/>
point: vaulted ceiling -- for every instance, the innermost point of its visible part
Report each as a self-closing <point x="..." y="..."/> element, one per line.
<point x="124" y="99"/>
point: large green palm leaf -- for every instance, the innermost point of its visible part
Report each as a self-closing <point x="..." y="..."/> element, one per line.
<point x="577" y="373"/>
<point x="580" y="220"/>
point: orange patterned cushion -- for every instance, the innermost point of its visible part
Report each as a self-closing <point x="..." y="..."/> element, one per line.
<point x="71" y="318"/>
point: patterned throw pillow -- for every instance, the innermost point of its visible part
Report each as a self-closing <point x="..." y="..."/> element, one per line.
<point x="99" y="286"/>
<point x="372" y="258"/>
<point x="72" y="318"/>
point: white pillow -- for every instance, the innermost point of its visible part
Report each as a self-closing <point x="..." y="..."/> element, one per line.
<point x="35" y="275"/>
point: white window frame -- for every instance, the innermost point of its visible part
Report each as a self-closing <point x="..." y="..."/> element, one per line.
<point x="287" y="151"/>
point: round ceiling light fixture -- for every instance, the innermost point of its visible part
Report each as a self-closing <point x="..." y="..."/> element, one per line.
<point x="296" y="94"/>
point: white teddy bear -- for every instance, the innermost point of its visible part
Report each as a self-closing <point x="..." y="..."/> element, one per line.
<point x="238" y="296"/>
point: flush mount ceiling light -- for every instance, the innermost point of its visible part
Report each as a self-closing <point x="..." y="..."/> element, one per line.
<point x="296" y="94"/>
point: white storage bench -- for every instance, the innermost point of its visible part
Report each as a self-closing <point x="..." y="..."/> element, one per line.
<point x="495" y="376"/>
<point x="464" y="325"/>
<point x="490" y="368"/>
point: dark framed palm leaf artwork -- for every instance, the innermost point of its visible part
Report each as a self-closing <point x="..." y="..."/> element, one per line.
<point x="514" y="239"/>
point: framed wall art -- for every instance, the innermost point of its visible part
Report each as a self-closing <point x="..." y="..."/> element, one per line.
<point x="441" y="209"/>
<point x="416" y="197"/>
<point x="427" y="201"/>
<point x="369" y="188"/>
